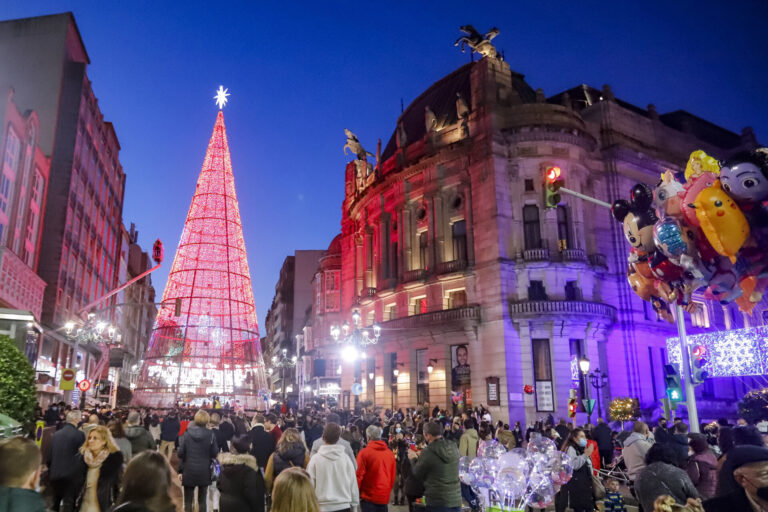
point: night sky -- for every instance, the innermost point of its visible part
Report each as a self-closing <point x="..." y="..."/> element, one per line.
<point x="299" y="73"/>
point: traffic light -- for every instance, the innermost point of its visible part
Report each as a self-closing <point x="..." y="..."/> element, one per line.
<point x="698" y="361"/>
<point x="552" y="184"/>
<point x="672" y="382"/>
<point x="177" y="307"/>
<point x="572" y="407"/>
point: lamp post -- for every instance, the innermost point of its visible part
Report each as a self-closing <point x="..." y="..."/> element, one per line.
<point x="283" y="363"/>
<point x="354" y="339"/>
<point x="599" y="380"/>
<point x="584" y="367"/>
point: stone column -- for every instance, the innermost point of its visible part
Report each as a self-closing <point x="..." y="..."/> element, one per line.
<point x="401" y="238"/>
<point x="406" y="381"/>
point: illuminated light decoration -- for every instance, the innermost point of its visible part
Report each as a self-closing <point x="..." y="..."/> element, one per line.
<point x="221" y="97"/>
<point x="624" y="409"/>
<point x="734" y="353"/>
<point x="212" y="348"/>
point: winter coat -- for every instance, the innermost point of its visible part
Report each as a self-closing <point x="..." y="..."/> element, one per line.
<point x="197" y="448"/>
<point x="240" y="484"/>
<point x="702" y="469"/>
<point x="313" y="433"/>
<point x="603" y="435"/>
<point x="240" y="426"/>
<point x="635" y="448"/>
<point x="341" y="442"/>
<point x="262" y="444"/>
<point x="294" y="455"/>
<point x="730" y="502"/>
<point x="679" y="443"/>
<point x="376" y="472"/>
<point x="140" y="439"/>
<point x="577" y="493"/>
<point x="64" y="445"/>
<point x="660" y="478"/>
<point x="562" y="431"/>
<point x="228" y="430"/>
<point x="468" y="444"/>
<point x="221" y="439"/>
<point x="507" y="438"/>
<point x="125" y="447"/>
<point x="16" y="499"/>
<point x="333" y="478"/>
<point x="438" y="468"/>
<point x="108" y="485"/>
<point x="595" y="454"/>
<point x="169" y="428"/>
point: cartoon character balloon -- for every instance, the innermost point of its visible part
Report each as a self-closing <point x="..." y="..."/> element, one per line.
<point x="700" y="173"/>
<point x="638" y="218"/>
<point x="722" y="221"/>
<point x="667" y="198"/>
<point x="744" y="176"/>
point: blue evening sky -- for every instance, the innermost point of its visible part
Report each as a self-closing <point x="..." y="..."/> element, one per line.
<point x="301" y="72"/>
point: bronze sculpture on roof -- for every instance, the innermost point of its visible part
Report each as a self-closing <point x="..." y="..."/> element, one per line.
<point x="477" y="42"/>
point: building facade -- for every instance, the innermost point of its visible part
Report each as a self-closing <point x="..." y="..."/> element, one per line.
<point x="479" y="290"/>
<point x="80" y="242"/>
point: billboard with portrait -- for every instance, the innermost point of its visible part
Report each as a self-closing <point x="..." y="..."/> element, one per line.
<point x="461" y="376"/>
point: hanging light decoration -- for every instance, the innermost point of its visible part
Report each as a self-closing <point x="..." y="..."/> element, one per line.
<point x="353" y="343"/>
<point x="733" y="353"/>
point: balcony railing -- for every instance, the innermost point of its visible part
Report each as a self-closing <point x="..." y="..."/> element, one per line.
<point x="598" y="260"/>
<point x="414" y="275"/>
<point x="448" y="267"/>
<point x="369" y="292"/>
<point x="465" y="313"/>
<point x="562" y="307"/>
<point x="536" y="254"/>
<point x="573" y="255"/>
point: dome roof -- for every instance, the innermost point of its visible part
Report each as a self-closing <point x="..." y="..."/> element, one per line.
<point x="335" y="247"/>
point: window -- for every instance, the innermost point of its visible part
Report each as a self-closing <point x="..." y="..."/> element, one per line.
<point x="531" y="229"/>
<point x="459" y="232"/>
<point x="542" y="363"/>
<point x="12" y="151"/>
<point x="332" y="290"/>
<point x="457" y="299"/>
<point x="563" y="228"/>
<point x="423" y="245"/>
<point x="700" y="318"/>
<point x="390" y="312"/>
<point x="369" y="251"/>
<point x="536" y="291"/>
<point x="529" y="185"/>
<point x="419" y="306"/>
<point x="572" y="291"/>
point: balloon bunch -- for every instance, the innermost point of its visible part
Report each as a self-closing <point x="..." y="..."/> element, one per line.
<point x="708" y="233"/>
<point x="513" y="480"/>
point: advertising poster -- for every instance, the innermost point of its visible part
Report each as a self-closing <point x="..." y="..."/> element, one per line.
<point x="461" y="377"/>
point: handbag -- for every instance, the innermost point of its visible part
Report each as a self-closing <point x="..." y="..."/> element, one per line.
<point x="215" y="465"/>
<point x="598" y="490"/>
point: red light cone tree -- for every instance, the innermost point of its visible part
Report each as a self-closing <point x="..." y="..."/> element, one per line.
<point x="212" y="348"/>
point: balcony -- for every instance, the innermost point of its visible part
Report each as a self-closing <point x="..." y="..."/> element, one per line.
<point x="368" y="293"/>
<point x="414" y="275"/>
<point x="449" y="267"/>
<point x="598" y="260"/>
<point x="573" y="255"/>
<point x="536" y="255"/>
<point x="466" y="314"/>
<point x="562" y="308"/>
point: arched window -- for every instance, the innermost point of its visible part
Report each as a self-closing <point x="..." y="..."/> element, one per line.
<point x="531" y="227"/>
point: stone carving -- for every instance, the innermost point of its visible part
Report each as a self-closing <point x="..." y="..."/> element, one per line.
<point x="430" y="120"/>
<point x="401" y="138"/>
<point x="462" y="113"/>
<point x="363" y="168"/>
<point x="477" y="42"/>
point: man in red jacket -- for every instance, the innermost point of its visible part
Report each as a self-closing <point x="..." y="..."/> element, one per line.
<point x="375" y="472"/>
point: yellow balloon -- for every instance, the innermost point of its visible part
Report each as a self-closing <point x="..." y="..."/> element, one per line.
<point x="723" y="224"/>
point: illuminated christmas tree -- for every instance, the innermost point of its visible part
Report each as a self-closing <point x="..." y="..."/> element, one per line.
<point x="205" y="340"/>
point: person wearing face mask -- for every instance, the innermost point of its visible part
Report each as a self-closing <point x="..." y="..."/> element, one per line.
<point x="20" y="476"/>
<point x="747" y="470"/>
<point x="577" y="493"/>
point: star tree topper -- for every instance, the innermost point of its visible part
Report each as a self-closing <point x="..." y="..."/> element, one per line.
<point x="221" y="97"/>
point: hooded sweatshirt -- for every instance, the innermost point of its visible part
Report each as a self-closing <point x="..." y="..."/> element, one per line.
<point x="635" y="448"/>
<point x="376" y="472"/>
<point x="333" y="477"/>
<point x="468" y="444"/>
<point x="140" y="439"/>
<point x="438" y="468"/>
<point x="16" y="499"/>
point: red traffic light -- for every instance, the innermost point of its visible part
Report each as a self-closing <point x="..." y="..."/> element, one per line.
<point x="699" y="351"/>
<point x="157" y="251"/>
<point x="552" y="173"/>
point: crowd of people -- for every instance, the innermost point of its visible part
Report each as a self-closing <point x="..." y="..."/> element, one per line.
<point x="332" y="461"/>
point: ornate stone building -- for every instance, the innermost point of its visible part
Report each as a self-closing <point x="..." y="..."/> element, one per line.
<point x="478" y="289"/>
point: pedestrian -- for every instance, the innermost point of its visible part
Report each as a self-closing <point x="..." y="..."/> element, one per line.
<point x="221" y="439"/>
<point x="562" y="430"/>
<point x="86" y="427"/>
<point x="147" y="485"/>
<point x="139" y="436"/>
<point x="604" y="437"/>
<point x="468" y="444"/>
<point x="635" y="448"/>
<point x="227" y="428"/>
<point x="437" y="467"/>
<point x="747" y="474"/>
<point x="702" y="466"/>
<point x="313" y="430"/>
<point x="197" y="449"/>
<point x="97" y="471"/>
<point x="332" y="474"/>
<point x="241" y="424"/>
<point x="262" y="443"/>
<point x="375" y="472"/>
<point x="64" y="446"/>
<point x="334" y="418"/>
<point x="293" y="492"/>
<point x="661" y="476"/>
<point x="679" y="443"/>
<point x="614" y="501"/>
<point x="115" y="427"/>
<point x="169" y="433"/>
<point x="453" y="432"/>
<point x="577" y="493"/>
<point x="240" y="483"/>
<point x="290" y="452"/>
<point x="271" y="426"/>
<point x="20" y="476"/>
<point x="51" y="415"/>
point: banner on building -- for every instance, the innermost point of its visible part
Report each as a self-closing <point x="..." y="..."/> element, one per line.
<point x="461" y="374"/>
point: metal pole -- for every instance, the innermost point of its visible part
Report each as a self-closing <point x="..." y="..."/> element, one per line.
<point x="589" y="397"/>
<point x="585" y="197"/>
<point x="690" y="397"/>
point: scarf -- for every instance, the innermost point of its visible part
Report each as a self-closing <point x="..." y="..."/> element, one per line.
<point x="95" y="461"/>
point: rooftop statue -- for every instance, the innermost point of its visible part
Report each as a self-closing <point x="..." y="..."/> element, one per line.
<point x="353" y="144"/>
<point x="477" y="42"/>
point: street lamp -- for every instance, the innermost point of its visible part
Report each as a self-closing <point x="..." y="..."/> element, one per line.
<point x="599" y="380"/>
<point x="430" y="366"/>
<point x="357" y="339"/>
<point x="584" y="367"/>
